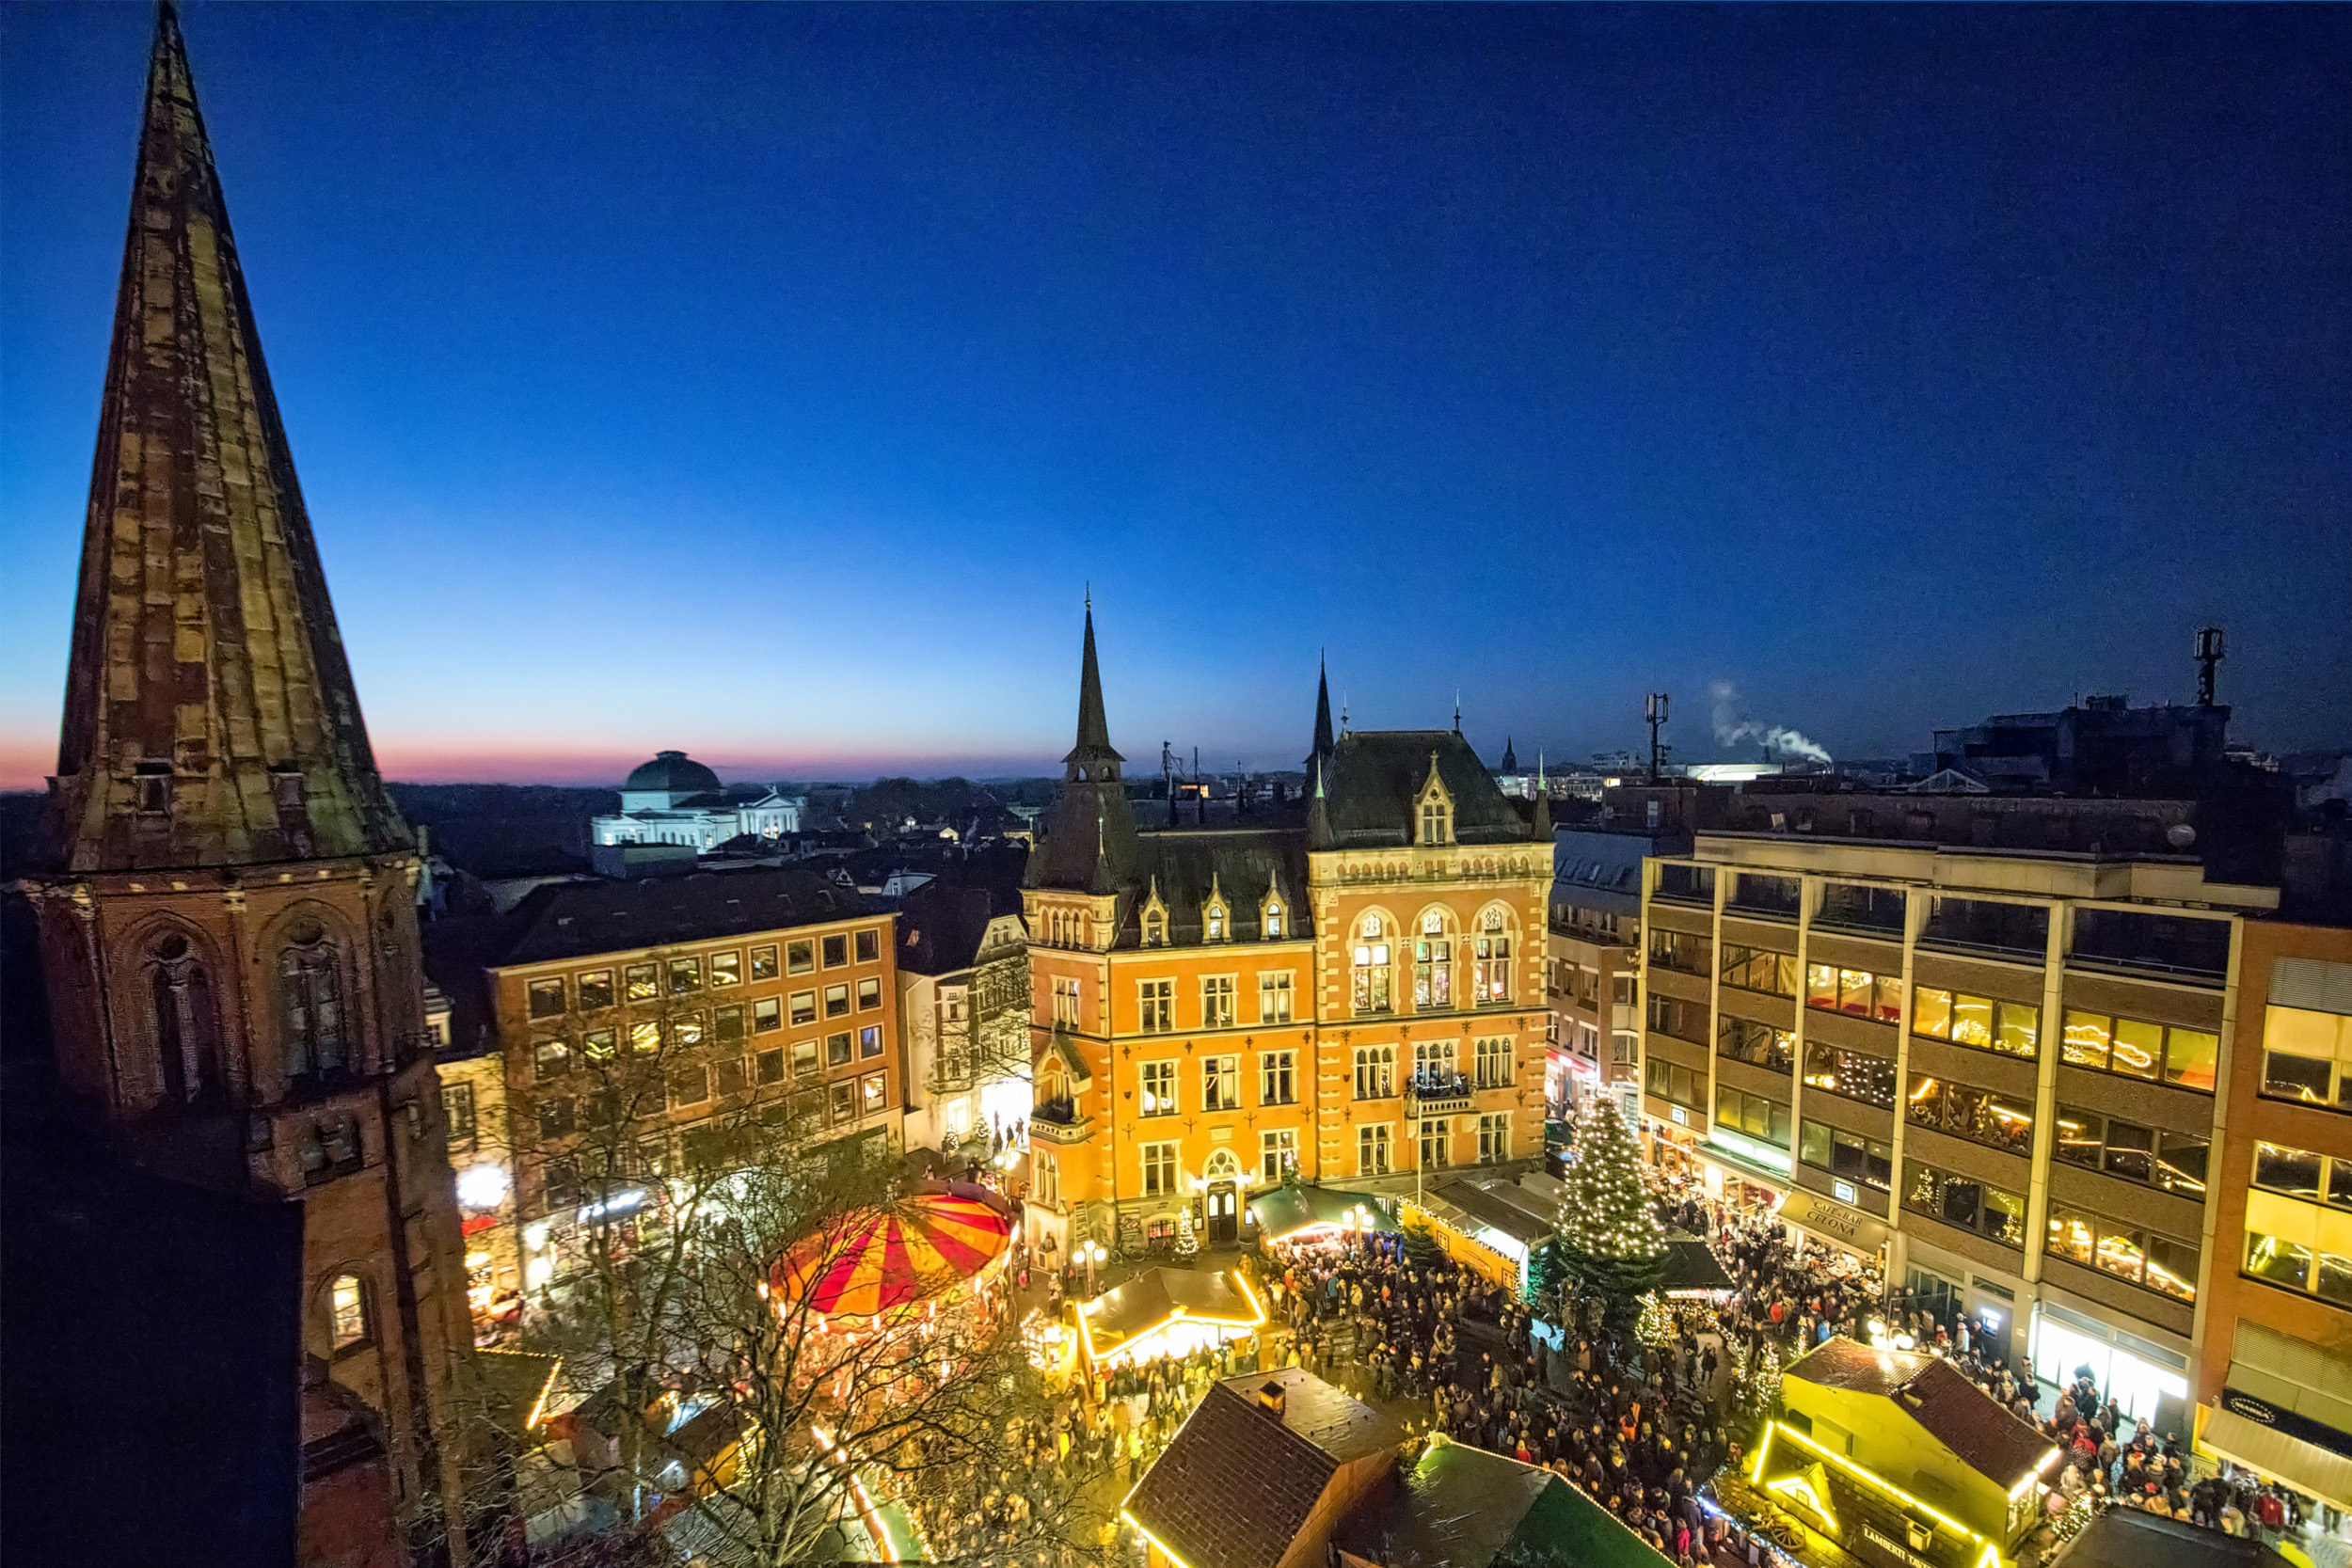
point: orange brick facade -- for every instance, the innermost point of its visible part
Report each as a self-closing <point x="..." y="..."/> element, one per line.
<point x="1215" y="1004"/>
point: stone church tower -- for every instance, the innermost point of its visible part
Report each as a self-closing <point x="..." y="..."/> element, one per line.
<point x="226" y="897"/>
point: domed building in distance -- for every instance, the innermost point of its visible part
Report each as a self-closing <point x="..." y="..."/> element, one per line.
<point x="675" y="800"/>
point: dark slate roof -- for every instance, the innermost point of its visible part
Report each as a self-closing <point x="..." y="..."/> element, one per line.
<point x="1243" y="862"/>
<point x="1954" y="1411"/>
<point x="1459" y="1203"/>
<point x="2128" y="1538"/>
<point x="1237" y="1483"/>
<point x="940" y="928"/>
<point x="1374" y="776"/>
<point x="1463" y="1507"/>
<point x="674" y="771"/>
<point x="568" y="920"/>
<point x="1600" y="871"/>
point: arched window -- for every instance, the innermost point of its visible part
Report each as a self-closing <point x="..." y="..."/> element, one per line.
<point x="1433" y="964"/>
<point x="311" y="990"/>
<point x="186" y="1039"/>
<point x="1212" y="921"/>
<point x="1274" y="920"/>
<point x="351" y="1319"/>
<point x="1493" y="953"/>
<point x="1048" y="1182"/>
<point x="1372" y="972"/>
<point x="1155" y="927"/>
<point x="1222" y="1164"/>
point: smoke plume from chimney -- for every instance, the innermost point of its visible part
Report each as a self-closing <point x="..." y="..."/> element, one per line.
<point x="1732" y="730"/>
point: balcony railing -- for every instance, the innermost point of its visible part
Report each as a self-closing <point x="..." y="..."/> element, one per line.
<point x="1436" y="1094"/>
<point x="1057" y="1121"/>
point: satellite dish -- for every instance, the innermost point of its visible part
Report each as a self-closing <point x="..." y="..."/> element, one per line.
<point x="2180" y="836"/>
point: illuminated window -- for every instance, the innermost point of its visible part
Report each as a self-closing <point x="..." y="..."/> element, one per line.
<point x="869" y="1041"/>
<point x="1494" y="1064"/>
<point x="1273" y="921"/>
<point x="1370" y="970"/>
<point x="843" y="1097"/>
<point x="1216" y="1001"/>
<point x="1760" y="969"/>
<point x="685" y="977"/>
<point x="836" y="1001"/>
<point x="726" y="969"/>
<point x="1154" y="927"/>
<point x="1492" y="949"/>
<point x="1212" y="921"/>
<point x="644" y="1039"/>
<point x="764" y="963"/>
<point x="800" y="956"/>
<point x="1433" y="964"/>
<point x="767" y="1013"/>
<point x="1220" y="1082"/>
<point x="347" y="1307"/>
<point x="640" y="983"/>
<point x="1159" y="1170"/>
<point x="2010" y="1028"/>
<point x="868" y="995"/>
<point x="871" y="1097"/>
<point x="551" y="1059"/>
<point x="1065" y="1001"/>
<point x="457" y="1107"/>
<point x="1375" y="1071"/>
<point x="1966" y="1204"/>
<point x="1158" y="1096"/>
<point x="1855" y="991"/>
<point x="686" y="1031"/>
<point x="1996" y="1120"/>
<point x="1494" y="1139"/>
<point x="1277" y="1155"/>
<point x="1159" y="1001"/>
<point x="2137" y="1049"/>
<point x="596" y="990"/>
<point x="1277" y="1084"/>
<point x="1372" y="1151"/>
<point x="1436" y="1143"/>
<point x="804" y="1058"/>
<point x="1274" y="998"/>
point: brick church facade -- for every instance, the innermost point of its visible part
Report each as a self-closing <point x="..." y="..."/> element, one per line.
<point x="226" y="898"/>
<point x="1349" y="986"/>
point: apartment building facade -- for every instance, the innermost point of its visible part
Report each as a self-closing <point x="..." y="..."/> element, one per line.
<point x="635" y="1027"/>
<point x="1350" y="989"/>
<point x="1992" y="1070"/>
<point x="2273" y="1368"/>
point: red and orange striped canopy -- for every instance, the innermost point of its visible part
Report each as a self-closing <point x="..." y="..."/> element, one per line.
<point x="894" y="1256"/>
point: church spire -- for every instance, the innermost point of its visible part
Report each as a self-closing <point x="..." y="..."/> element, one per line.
<point x="210" y="718"/>
<point x="1323" y="713"/>
<point x="1094" y="729"/>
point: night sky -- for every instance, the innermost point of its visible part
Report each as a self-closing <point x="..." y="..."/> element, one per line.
<point x="772" y="382"/>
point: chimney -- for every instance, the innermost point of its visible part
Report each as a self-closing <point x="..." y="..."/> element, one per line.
<point x="1271" y="1397"/>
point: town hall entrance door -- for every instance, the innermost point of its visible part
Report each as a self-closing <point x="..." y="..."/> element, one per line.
<point x="1224" y="1216"/>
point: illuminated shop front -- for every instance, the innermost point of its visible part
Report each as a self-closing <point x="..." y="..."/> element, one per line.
<point x="2135" y="1372"/>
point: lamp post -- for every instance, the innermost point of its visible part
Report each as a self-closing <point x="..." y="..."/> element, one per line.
<point x="1094" y="1254"/>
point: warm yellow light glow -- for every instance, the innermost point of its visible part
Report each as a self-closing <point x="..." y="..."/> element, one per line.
<point x="1801" y="1489"/>
<point x="539" y="1405"/>
<point x="1777" y="1428"/>
<point x="1171" y="1556"/>
<point x="2033" y="1475"/>
<point x="1756" y="1471"/>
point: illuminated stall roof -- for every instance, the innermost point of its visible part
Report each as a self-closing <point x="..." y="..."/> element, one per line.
<point x="516" y="1386"/>
<point x="1977" y="1428"/>
<point x="1119" y="1320"/>
<point x="2128" y="1538"/>
<point x="1486" y="1216"/>
<point x="1286" y="1211"/>
<point x="1463" y="1507"/>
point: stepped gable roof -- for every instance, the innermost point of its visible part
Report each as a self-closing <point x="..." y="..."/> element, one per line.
<point x="570" y="920"/>
<point x="1240" y="863"/>
<point x="210" y="715"/>
<point x="1238" y="1483"/>
<point x="1374" y="776"/>
<point x="1977" y="1427"/>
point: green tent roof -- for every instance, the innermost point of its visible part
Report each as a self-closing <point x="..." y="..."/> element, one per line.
<point x="1283" y="1210"/>
<point x="1464" y="1507"/>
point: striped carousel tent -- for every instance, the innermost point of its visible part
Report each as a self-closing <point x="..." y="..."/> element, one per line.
<point x="922" y="1246"/>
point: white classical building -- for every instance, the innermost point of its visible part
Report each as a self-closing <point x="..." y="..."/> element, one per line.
<point x="675" y="800"/>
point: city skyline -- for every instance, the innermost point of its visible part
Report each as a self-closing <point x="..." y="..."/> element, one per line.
<point x="1583" y="379"/>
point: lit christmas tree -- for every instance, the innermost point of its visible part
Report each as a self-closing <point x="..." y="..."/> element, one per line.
<point x="1187" y="1243"/>
<point x="1653" y="1329"/>
<point x="1611" y="1242"/>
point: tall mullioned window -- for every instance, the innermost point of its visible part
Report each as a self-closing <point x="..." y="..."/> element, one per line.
<point x="1433" y="964"/>
<point x="1492" y="950"/>
<point x="1372" y="970"/>
<point x="311" y="990"/>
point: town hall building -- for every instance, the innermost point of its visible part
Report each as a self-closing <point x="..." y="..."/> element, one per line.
<point x="1348" y="987"/>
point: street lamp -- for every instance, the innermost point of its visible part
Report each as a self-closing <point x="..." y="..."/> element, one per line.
<point x="1094" y="1254"/>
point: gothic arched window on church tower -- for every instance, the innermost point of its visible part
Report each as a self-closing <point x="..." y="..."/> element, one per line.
<point x="186" y="1038"/>
<point x="310" y="990"/>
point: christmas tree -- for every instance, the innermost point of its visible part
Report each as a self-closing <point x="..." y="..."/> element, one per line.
<point x="1187" y="1243"/>
<point x="1611" y="1240"/>
<point x="1653" y="1329"/>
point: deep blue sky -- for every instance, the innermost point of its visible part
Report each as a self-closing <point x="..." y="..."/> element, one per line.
<point x="768" y="382"/>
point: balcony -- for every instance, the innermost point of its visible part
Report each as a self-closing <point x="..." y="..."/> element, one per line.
<point x="1436" y="1094"/>
<point x="1057" y="1121"/>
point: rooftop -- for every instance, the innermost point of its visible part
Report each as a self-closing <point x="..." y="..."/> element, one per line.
<point x="1955" y="1411"/>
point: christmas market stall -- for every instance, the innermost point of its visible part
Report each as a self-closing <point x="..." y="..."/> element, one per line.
<point x="1167" y="1312"/>
<point x="1488" y="1226"/>
<point x="1305" y="1214"/>
<point x="1692" y="1272"/>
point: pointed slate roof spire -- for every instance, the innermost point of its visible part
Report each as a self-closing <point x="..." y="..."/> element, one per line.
<point x="1094" y="729"/>
<point x="1510" y="757"/>
<point x="1318" y="814"/>
<point x="210" y="716"/>
<point x="1323" y="712"/>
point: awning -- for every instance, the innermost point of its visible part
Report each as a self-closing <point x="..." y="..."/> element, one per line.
<point x="2305" y="1466"/>
<point x="1287" y="1210"/>
<point x="1834" y="1223"/>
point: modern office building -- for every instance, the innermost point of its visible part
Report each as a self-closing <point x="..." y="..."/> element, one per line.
<point x="1993" y="1067"/>
<point x="1592" y="967"/>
